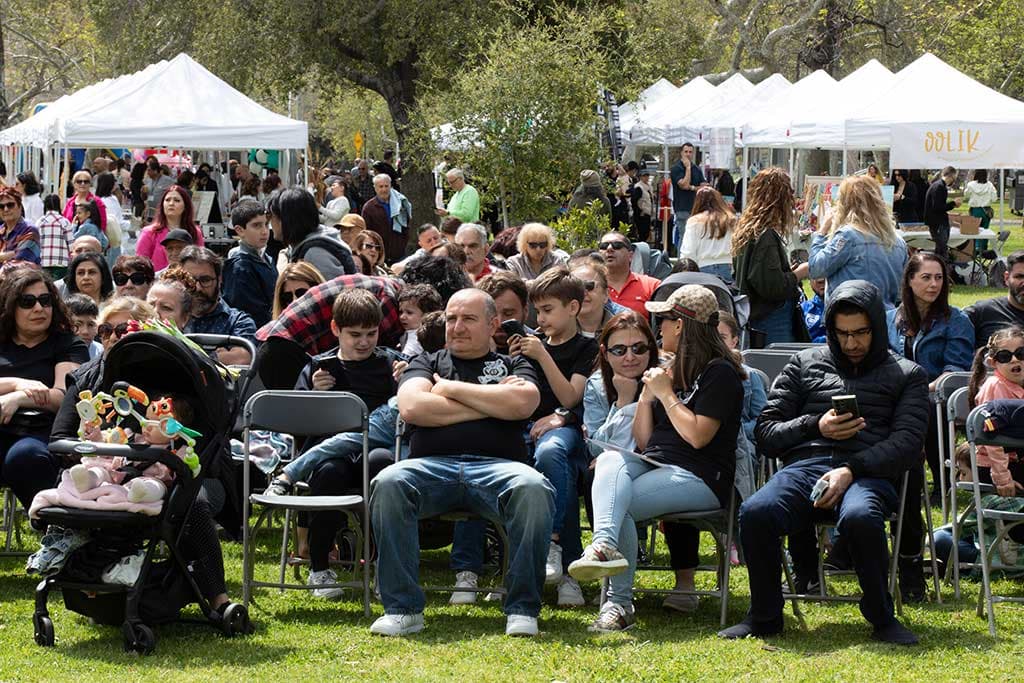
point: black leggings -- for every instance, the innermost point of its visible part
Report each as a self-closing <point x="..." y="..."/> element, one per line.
<point x="332" y="478"/>
<point x="201" y="547"/>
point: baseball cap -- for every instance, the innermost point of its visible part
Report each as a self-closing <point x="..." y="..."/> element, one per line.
<point x="351" y="220"/>
<point x="177" y="235"/>
<point x="695" y="302"/>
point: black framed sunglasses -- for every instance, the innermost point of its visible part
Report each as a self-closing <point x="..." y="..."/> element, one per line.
<point x="617" y="245"/>
<point x="638" y="349"/>
<point x="8" y="205"/>
<point x="590" y="285"/>
<point x="371" y="245"/>
<point x="106" y="329"/>
<point x="121" y="279"/>
<point x="1005" y="355"/>
<point x="537" y="245"/>
<point x="288" y="297"/>
<point x="83" y="181"/>
<point x="29" y="301"/>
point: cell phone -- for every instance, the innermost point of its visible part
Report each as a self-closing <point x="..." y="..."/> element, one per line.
<point x="819" y="489"/>
<point x="845" y="404"/>
<point x="326" y="364"/>
<point x="512" y="328"/>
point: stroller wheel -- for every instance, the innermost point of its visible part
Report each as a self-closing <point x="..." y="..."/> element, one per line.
<point x="236" y="620"/>
<point x="138" y="638"/>
<point x="43" y="627"/>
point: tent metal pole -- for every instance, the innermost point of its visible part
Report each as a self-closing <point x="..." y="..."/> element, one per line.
<point x="791" y="167"/>
<point x="67" y="167"/>
<point x="305" y="169"/>
<point x="844" y="157"/>
<point x="1002" y="185"/>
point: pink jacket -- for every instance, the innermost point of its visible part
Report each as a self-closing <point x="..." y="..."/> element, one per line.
<point x="105" y="497"/>
<point x="993" y="457"/>
<point x="69" y="210"/>
<point x="150" y="247"/>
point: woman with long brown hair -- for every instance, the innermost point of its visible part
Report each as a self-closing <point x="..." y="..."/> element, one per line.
<point x="762" y="268"/>
<point x="708" y="236"/>
<point x="174" y="211"/>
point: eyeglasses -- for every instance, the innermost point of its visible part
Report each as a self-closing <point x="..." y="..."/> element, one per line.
<point x="854" y="334"/>
<point x="205" y="280"/>
<point x="29" y="301"/>
<point x="371" y="245"/>
<point x="106" y="329"/>
<point x="288" y="297"/>
<point x="637" y="349"/>
<point x="8" y="205"/>
<point x="1005" y="355"/>
<point x="616" y="245"/>
<point x="537" y="245"/>
<point x="121" y="279"/>
<point x="83" y="181"/>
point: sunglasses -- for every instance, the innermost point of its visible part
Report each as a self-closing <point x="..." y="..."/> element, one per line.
<point x="371" y="245"/>
<point x="83" y="181"/>
<point x="537" y="245"/>
<point x="590" y="285"/>
<point x="8" y="205"/>
<point x="121" y="279"/>
<point x="288" y="297"/>
<point x="106" y="329"/>
<point x="616" y="245"/>
<point x="29" y="301"/>
<point x="1005" y="355"/>
<point x="637" y="349"/>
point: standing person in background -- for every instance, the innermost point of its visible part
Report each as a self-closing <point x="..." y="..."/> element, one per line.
<point x="175" y="212"/>
<point x="980" y="194"/>
<point x="937" y="206"/>
<point x="19" y="240"/>
<point x="723" y="182"/>
<point x="814" y="311"/>
<point x="386" y="166"/>
<point x="388" y="214"/>
<point x="686" y="178"/>
<point x="465" y="203"/>
<point x="205" y="183"/>
<point x="361" y="188"/>
<point x="590" y="190"/>
<point x="904" y="197"/>
<point x="337" y="203"/>
<point x="31" y="202"/>
<point x="708" y="236"/>
<point x="295" y="220"/>
<point x="762" y="268"/>
<point x="155" y="185"/>
<point x="135" y="184"/>
<point x="875" y="174"/>
<point x="55" y="238"/>
<point x="82" y="183"/>
<point x="642" y="198"/>
<point x="106" y="183"/>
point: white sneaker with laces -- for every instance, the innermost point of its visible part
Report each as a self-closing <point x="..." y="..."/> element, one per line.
<point x="553" y="566"/>
<point x="569" y="593"/>
<point x="322" y="577"/>
<point x="464" y="580"/>
<point x="397" y="624"/>
<point x="521" y="625"/>
<point x="598" y="561"/>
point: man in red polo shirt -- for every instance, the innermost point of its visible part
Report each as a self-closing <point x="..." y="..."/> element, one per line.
<point x="625" y="287"/>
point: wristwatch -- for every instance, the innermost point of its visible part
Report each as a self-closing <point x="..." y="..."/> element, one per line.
<point x="563" y="413"/>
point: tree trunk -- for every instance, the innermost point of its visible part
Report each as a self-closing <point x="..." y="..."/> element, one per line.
<point x="5" y="111"/>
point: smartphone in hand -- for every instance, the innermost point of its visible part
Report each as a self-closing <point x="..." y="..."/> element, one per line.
<point x="511" y="328"/>
<point x="846" y="404"/>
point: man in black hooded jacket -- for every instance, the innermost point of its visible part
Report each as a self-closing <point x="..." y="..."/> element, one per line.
<point x="862" y="458"/>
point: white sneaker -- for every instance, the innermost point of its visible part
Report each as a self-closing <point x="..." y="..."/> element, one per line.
<point x="599" y="560"/>
<point x="397" y="624"/>
<point x="322" y="577"/>
<point x="613" y="618"/>
<point x="521" y="625"/>
<point x="553" y="566"/>
<point x="464" y="580"/>
<point x="569" y="593"/>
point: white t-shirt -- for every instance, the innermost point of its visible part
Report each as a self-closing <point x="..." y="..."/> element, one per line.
<point x="702" y="249"/>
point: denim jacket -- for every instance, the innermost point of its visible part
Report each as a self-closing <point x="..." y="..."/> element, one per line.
<point x="947" y="346"/>
<point x="851" y="255"/>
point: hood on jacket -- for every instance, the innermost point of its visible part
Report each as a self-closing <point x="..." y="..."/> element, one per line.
<point x="867" y="298"/>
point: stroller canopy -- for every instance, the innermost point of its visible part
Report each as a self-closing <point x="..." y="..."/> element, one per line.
<point x="734" y="304"/>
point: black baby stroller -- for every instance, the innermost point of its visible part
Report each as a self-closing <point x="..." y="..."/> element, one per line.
<point x="728" y="300"/>
<point x="159" y="365"/>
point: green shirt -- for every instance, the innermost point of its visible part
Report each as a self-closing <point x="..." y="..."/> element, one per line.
<point x="465" y="204"/>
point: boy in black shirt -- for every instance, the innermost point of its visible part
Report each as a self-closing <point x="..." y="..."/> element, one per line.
<point x="564" y="359"/>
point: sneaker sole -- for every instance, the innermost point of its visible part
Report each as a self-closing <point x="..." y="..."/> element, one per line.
<point x="522" y="634"/>
<point x="397" y="634"/>
<point x="592" y="570"/>
<point x="596" y="629"/>
<point x="329" y="595"/>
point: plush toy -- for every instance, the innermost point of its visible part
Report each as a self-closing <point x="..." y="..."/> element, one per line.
<point x="94" y="410"/>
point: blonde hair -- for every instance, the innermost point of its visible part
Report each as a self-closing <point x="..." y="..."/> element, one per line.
<point x="137" y="309"/>
<point x="534" y="230"/>
<point x="768" y="206"/>
<point x="861" y="205"/>
<point x="300" y="271"/>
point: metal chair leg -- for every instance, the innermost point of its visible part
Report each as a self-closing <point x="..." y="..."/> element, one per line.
<point x="284" y="545"/>
<point x="931" y="540"/>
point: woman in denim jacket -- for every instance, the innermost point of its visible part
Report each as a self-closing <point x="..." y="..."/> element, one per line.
<point x="939" y="338"/>
<point x="859" y="242"/>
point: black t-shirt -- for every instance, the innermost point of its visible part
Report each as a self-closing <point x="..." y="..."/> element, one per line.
<point x="489" y="437"/>
<point x="991" y="315"/>
<point x="38" y="363"/>
<point x="574" y="357"/>
<point x="718" y="394"/>
<point x="370" y="379"/>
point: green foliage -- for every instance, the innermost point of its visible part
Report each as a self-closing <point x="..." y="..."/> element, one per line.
<point x="582" y="228"/>
<point x="343" y="110"/>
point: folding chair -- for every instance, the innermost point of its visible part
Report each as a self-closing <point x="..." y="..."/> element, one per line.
<point x="944" y="388"/>
<point x="9" y="526"/>
<point x="706" y="520"/>
<point x="305" y="413"/>
<point x="976" y="436"/>
<point x="957" y="410"/>
<point x="765" y="466"/>
<point x="769" y="361"/>
<point x="792" y="346"/>
<point x="822" y="526"/>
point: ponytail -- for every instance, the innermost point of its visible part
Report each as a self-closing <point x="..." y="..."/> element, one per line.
<point x="978" y="373"/>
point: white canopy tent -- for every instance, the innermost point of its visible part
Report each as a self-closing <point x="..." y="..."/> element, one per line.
<point x="766" y="126"/>
<point x="651" y="127"/>
<point x="630" y="112"/>
<point x="695" y="125"/>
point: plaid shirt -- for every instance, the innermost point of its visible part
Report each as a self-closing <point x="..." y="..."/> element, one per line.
<point x="307" y="321"/>
<point x="54" y="239"/>
<point x="23" y="240"/>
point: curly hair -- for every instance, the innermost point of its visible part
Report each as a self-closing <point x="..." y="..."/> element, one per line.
<point x="444" y="274"/>
<point x="769" y="206"/>
<point x="181" y="280"/>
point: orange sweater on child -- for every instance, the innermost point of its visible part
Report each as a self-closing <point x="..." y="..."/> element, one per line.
<point x="994" y="457"/>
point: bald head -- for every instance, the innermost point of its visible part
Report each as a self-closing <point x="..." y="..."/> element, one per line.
<point x="86" y="244"/>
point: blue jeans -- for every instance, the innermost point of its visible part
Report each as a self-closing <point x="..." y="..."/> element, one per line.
<point x="681" y="218"/>
<point x="783" y="507"/>
<point x="722" y="270"/>
<point x="628" y="490"/>
<point x="501" y="491"/>
<point x="777" y="325"/>
<point x="346" y="445"/>
<point x="968" y="549"/>
<point x="560" y="456"/>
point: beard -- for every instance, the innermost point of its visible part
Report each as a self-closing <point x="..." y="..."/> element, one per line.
<point x="204" y="303"/>
<point x="1017" y="295"/>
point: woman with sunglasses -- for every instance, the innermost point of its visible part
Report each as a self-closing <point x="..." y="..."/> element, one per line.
<point x="537" y="253"/>
<point x="81" y="185"/>
<point x="37" y="351"/>
<point x="19" y="239"/>
<point x="370" y="246"/>
<point x="88" y="274"/>
<point x="597" y="310"/>
<point x="133" y="276"/>
<point x="685" y="428"/>
<point x="175" y="211"/>
<point x="295" y="280"/>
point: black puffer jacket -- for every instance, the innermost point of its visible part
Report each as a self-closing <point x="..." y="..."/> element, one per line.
<point x="892" y="395"/>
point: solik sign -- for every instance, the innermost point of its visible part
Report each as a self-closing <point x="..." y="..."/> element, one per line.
<point x="931" y="145"/>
